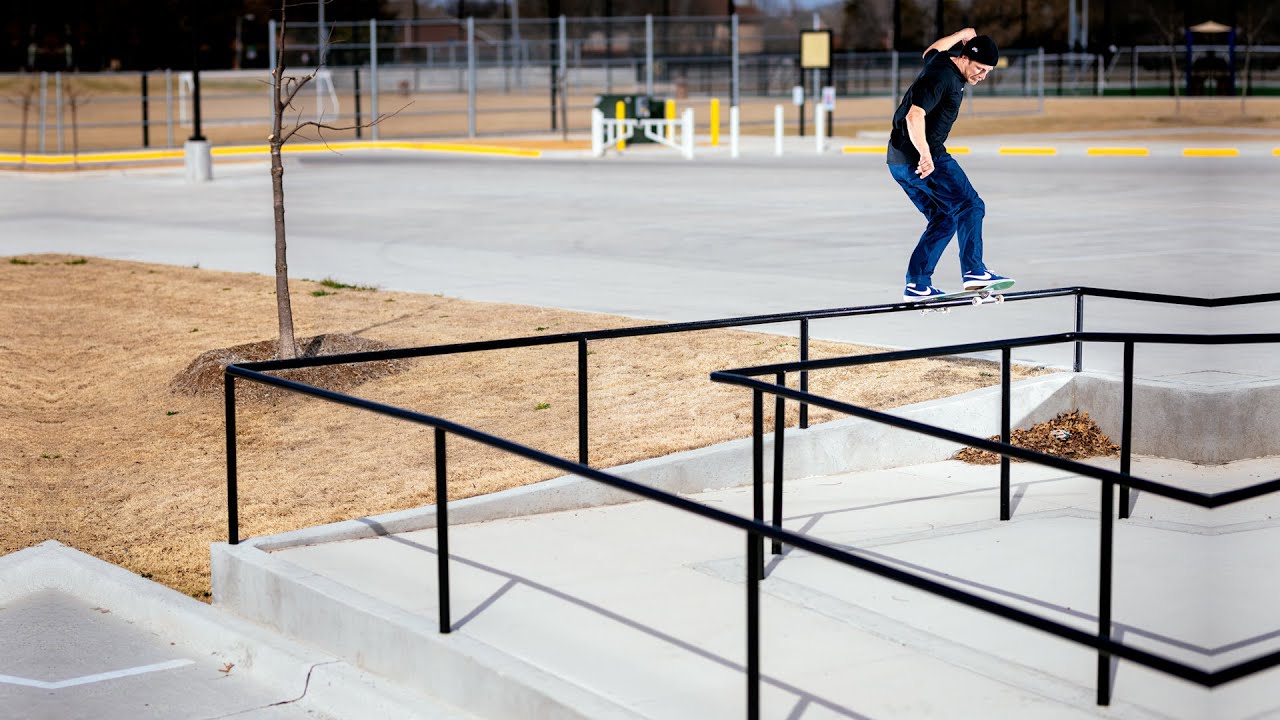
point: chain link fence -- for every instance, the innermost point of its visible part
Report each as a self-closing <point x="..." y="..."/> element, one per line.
<point x="490" y="78"/>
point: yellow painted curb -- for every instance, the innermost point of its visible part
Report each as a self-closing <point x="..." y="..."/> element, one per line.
<point x="1276" y="151"/>
<point x="868" y="149"/>
<point x="1136" y="151"/>
<point x="242" y="150"/>
<point x="1210" y="152"/>
<point x="958" y="150"/>
<point x="1028" y="151"/>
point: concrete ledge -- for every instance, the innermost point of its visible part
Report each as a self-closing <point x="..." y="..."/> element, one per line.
<point x="838" y="446"/>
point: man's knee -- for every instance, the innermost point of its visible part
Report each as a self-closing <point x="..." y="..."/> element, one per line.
<point x="971" y="208"/>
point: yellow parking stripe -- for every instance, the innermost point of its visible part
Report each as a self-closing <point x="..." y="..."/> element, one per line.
<point x="1028" y="151"/>
<point x="1210" y="152"/>
<point x="1135" y="151"/>
<point x="855" y="149"/>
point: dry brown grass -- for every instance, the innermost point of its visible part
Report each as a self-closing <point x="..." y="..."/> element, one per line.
<point x="102" y="454"/>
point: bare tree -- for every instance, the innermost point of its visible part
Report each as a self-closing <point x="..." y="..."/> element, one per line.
<point x="75" y="97"/>
<point x="24" y="100"/>
<point x="1254" y="21"/>
<point x="1168" y="30"/>
<point x="283" y="91"/>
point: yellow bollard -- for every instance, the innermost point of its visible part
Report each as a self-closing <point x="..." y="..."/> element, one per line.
<point x="715" y="122"/>
<point x="669" y="113"/>
<point x="620" y="112"/>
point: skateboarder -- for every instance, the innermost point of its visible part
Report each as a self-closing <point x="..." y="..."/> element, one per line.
<point x="919" y="161"/>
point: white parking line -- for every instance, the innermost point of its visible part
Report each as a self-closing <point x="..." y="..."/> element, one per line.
<point x="100" y="677"/>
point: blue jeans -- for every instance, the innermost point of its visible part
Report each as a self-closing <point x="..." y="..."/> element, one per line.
<point x="952" y="207"/>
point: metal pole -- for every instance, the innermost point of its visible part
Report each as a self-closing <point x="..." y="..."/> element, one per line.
<point x="44" y="100"/>
<point x="1040" y="92"/>
<point x="897" y="82"/>
<point x="355" y="91"/>
<point x="648" y="55"/>
<point x="233" y="502"/>
<point x="1006" y="415"/>
<point x="373" y="76"/>
<point x="517" y="54"/>
<point x="804" y="374"/>
<point x="754" y="558"/>
<point x="271" y="45"/>
<point x="168" y="104"/>
<point x="1079" y="364"/>
<point x="442" y="532"/>
<point x="471" y="77"/>
<point x="57" y="116"/>
<point x="1104" y="590"/>
<point x="321" y="40"/>
<point x="146" y="121"/>
<point x="563" y="76"/>
<point x="779" y="428"/>
<point x="1126" y="431"/>
<point x="737" y="63"/>
<point x="583" y="443"/>
<point x="757" y="476"/>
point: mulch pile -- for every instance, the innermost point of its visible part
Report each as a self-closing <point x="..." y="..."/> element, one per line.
<point x="1070" y="435"/>
<point x="204" y="376"/>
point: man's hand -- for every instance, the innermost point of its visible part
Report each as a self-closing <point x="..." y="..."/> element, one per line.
<point x="925" y="168"/>
<point x="967" y="34"/>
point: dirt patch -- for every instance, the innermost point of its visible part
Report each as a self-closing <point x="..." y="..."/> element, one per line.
<point x="101" y="453"/>
<point x="1071" y="435"/>
<point x="204" y="376"/>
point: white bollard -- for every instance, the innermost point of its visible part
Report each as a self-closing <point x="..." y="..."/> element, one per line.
<point x="820" y="126"/>
<point x="777" y="130"/>
<point x="198" y="161"/>
<point x="597" y="133"/>
<point x="733" y="131"/>
<point x="686" y="133"/>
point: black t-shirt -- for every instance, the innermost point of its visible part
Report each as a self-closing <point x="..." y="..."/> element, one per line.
<point x="939" y="91"/>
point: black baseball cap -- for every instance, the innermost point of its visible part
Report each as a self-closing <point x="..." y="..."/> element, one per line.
<point x="981" y="49"/>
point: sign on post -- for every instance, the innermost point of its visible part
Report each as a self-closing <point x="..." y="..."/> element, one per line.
<point x="815" y="49"/>
<point x="829" y="98"/>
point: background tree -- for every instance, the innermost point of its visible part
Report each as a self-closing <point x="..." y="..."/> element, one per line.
<point x="1253" y="20"/>
<point x="284" y="88"/>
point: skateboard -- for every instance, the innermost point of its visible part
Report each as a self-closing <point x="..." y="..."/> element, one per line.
<point x="989" y="294"/>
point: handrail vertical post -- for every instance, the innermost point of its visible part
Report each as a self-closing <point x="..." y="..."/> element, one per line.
<point x="442" y="532"/>
<point x="1104" y="590"/>
<point x="804" y="374"/>
<point x="757" y="475"/>
<point x="754" y="558"/>
<point x="1079" y="363"/>
<point x="1126" y="427"/>
<point x="1005" y="421"/>
<point x="779" y="428"/>
<point x="233" y="502"/>
<point x="582" y="402"/>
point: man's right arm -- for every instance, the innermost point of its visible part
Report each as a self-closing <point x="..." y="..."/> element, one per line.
<point x="915" y="131"/>
<point x="950" y="41"/>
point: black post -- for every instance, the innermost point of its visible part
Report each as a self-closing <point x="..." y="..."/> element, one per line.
<point x="757" y="476"/>
<point x="1104" y="592"/>
<point x="553" y="13"/>
<point x="355" y="73"/>
<point x="1133" y="71"/>
<point x="779" y="428"/>
<point x="233" y="502"/>
<point x="146" y="123"/>
<point x="1005" y="419"/>
<point x="442" y="532"/>
<point x="1126" y="427"/>
<point x="1079" y="364"/>
<point x="582" y="402"/>
<point x="754" y="558"/>
<point x="195" y="87"/>
<point x="804" y="374"/>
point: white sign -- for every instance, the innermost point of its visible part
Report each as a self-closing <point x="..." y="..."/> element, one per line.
<point x="797" y="95"/>
<point x="829" y="98"/>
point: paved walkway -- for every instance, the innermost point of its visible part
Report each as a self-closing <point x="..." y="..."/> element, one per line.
<point x="646" y="605"/>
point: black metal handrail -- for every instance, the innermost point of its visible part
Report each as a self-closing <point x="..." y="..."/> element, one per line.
<point x="755" y="528"/>
<point x="749" y="377"/>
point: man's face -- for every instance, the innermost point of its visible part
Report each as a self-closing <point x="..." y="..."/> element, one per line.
<point x="975" y="72"/>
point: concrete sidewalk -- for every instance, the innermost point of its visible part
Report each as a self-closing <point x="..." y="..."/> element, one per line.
<point x="643" y="607"/>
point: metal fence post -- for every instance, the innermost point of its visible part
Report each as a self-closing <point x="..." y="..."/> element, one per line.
<point x="1079" y="362"/>
<point x="1040" y="89"/>
<point x="44" y="100"/>
<point x="146" y="115"/>
<point x="373" y="77"/>
<point x="1104" y="590"/>
<point x="355" y="92"/>
<point x="471" y="77"/>
<point x="442" y="532"/>
<point x="583" y="442"/>
<point x="754" y="558"/>
<point x="779" y="429"/>
<point x="757" y="476"/>
<point x="168" y="105"/>
<point x="648" y="55"/>
<point x="57" y="96"/>
<point x="1126" y="427"/>
<point x="233" y="502"/>
<point x="736" y="62"/>
<point x="1005" y="421"/>
<point x="804" y="374"/>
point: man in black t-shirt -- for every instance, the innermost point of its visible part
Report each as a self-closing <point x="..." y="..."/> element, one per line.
<point x="919" y="161"/>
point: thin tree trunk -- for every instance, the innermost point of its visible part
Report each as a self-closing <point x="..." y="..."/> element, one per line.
<point x="288" y="347"/>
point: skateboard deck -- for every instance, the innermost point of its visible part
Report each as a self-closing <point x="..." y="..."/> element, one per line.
<point x="989" y="294"/>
